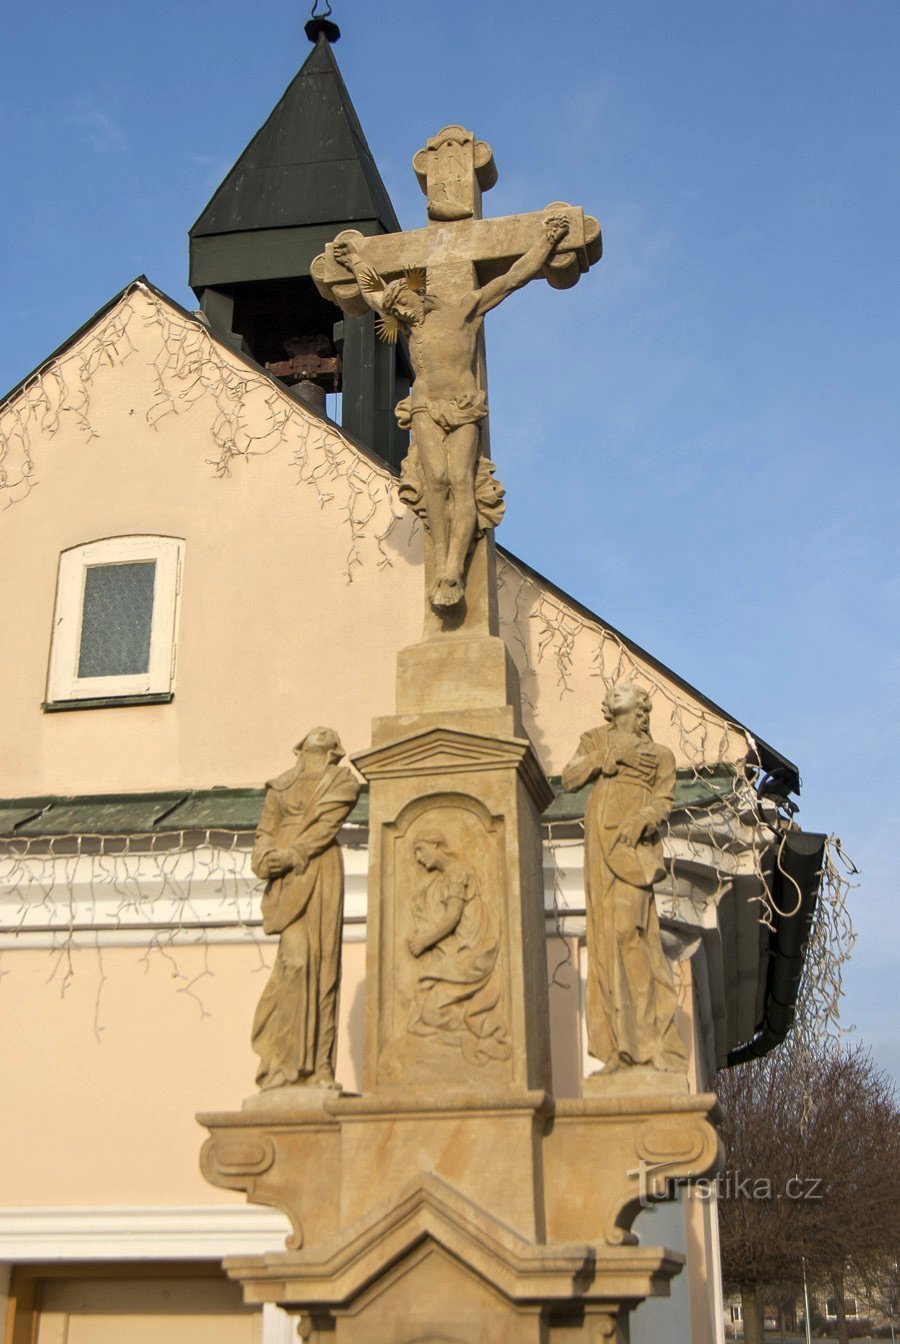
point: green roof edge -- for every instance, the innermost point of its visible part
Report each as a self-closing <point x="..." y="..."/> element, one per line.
<point x="238" y="809"/>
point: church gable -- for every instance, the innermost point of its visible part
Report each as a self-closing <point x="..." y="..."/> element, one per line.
<point x="144" y="424"/>
<point x="146" y="373"/>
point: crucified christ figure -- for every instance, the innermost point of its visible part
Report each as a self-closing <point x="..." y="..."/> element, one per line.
<point x="446" y="406"/>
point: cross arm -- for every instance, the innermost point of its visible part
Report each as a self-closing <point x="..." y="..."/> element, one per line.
<point x="493" y="245"/>
<point x="369" y="284"/>
<point x="554" y="228"/>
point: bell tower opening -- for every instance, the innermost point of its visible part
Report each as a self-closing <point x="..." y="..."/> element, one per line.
<point x="307" y="174"/>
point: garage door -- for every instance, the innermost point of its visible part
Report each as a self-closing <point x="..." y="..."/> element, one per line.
<point x="145" y="1311"/>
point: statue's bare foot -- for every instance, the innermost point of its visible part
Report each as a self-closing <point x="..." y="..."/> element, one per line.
<point x="323" y="1078"/>
<point x="447" y="592"/>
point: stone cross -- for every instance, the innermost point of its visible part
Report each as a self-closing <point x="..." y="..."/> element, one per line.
<point x="434" y="285"/>
<point x="453" y="170"/>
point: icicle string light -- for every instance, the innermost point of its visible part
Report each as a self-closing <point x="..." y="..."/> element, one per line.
<point x="723" y="829"/>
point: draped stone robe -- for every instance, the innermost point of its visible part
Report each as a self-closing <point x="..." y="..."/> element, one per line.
<point x="457" y="991"/>
<point x="295" y="1022"/>
<point x="631" y="999"/>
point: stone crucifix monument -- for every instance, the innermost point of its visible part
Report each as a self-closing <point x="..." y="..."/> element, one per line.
<point x="435" y="285"/>
<point x="457" y="1200"/>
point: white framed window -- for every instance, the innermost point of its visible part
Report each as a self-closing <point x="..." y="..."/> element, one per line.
<point x="850" y="1308"/>
<point x="115" y="620"/>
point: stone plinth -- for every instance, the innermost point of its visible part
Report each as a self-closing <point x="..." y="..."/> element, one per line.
<point x="491" y="1218"/>
<point x="430" y="674"/>
<point x="456" y="1201"/>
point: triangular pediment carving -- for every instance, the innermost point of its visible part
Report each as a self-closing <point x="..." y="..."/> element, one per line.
<point x="429" y="1211"/>
<point x="444" y="750"/>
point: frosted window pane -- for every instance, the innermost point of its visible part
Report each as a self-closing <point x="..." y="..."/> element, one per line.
<point x="116" y="619"/>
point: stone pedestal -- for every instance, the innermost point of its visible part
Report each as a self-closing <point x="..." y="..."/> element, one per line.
<point x="456" y="1201"/>
<point x="476" y="1220"/>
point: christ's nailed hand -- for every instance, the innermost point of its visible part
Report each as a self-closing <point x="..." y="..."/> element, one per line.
<point x="555" y="228"/>
<point x="344" y="252"/>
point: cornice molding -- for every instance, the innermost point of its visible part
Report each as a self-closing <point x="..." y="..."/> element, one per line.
<point x="445" y="750"/>
<point x="136" y="1232"/>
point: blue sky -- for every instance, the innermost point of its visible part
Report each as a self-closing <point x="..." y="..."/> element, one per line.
<point x="699" y="441"/>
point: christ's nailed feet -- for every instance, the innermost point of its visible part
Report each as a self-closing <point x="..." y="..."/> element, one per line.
<point x="447" y="592"/>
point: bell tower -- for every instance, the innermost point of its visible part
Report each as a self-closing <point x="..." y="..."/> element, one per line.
<point x="307" y="174"/>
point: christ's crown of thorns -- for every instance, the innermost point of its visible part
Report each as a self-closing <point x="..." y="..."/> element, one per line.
<point x="387" y="324"/>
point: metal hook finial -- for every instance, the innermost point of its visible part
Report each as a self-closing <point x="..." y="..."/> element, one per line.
<point x="320" y="25"/>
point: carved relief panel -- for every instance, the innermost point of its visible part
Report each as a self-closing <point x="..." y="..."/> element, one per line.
<point x="444" y="1012"/>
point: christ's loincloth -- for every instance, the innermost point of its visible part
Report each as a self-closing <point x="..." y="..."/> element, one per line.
<point x="449" y="414"/>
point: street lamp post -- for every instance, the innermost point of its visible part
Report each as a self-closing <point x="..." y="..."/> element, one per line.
<point x="806" y="1304"/>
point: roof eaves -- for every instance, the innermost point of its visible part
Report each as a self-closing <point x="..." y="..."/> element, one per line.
<point x="75" y="336"/>
<point x="768" y="754"/>
<point x="800" y="860"/>
<point x="238" y="809"/>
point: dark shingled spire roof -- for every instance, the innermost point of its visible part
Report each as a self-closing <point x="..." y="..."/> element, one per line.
<point x="308" y="164"/>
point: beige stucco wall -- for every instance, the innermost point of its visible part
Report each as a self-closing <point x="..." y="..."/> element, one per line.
<point x="102" y="1082"/>
<point x="301" y="577"/>
<point x="91" y="1120"/>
